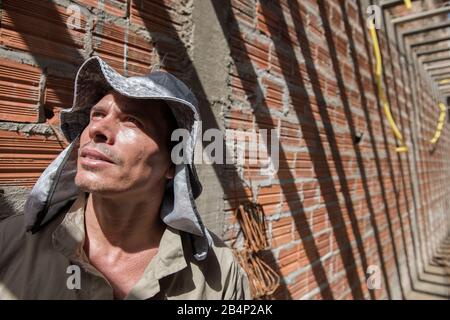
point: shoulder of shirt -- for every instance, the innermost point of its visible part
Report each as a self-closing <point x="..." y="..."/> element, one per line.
<point x="12" y="233"/>
<point x="12" y="223"/>
<point x="12" y="217"/>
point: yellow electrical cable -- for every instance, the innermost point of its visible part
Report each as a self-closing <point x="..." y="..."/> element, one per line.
<point x="408" y="4"/>
<point x="440" y="125"/>
<point x="379" y="81"/>
<point x="443" y="111"/>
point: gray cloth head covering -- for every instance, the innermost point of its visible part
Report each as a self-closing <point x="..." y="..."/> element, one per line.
<point x="55" y="190"/>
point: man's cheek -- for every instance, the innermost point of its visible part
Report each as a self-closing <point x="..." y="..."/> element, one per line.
<point x="127" y="137"/>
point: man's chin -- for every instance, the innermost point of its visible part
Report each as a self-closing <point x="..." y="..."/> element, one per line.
<point x="93" y="184"/>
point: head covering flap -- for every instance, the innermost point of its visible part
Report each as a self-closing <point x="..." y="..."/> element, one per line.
<point x="56" y="189"/>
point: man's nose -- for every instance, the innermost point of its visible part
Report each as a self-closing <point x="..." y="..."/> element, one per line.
<point x="102" y="130"/>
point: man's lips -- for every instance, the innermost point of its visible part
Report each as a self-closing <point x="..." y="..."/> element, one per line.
<point x="93" y="154"/>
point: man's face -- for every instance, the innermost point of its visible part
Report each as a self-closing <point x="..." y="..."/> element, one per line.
<point x="124" y="147"/>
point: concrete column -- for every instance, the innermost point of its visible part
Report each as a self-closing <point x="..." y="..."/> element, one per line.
<point x="210" y="55"/>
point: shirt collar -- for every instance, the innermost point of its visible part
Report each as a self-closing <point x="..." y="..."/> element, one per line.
<point x="68" y="238"/>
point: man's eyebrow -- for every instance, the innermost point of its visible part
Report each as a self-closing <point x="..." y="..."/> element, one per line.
<point x="98" y="107"/>
<point x="135" y="112"/>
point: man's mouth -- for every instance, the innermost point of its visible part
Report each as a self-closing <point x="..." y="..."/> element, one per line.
<point x="92" y="157"/>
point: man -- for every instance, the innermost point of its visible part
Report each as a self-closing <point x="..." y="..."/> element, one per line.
<point x="113" y="217"/>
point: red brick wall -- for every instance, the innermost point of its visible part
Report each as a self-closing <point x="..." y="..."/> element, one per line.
<point x="335" y="207"/>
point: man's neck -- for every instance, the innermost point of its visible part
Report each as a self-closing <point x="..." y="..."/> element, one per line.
<point x="122" y="237"/>
<point x="125" y="224"/>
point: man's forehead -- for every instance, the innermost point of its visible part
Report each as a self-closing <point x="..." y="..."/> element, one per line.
<point x="129" y="105"/>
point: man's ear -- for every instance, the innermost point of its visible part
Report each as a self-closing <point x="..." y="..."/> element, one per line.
<point x="170" y="173"/>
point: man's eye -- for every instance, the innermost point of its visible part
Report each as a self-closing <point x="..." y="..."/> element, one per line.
<point x="96" y="115"/>
<point x="133" y="120"/>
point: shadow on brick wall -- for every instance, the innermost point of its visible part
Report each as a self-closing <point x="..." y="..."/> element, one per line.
<point x="365" y="105"/>
<point x="245" y="70"/>
<point x="325" y="14"/>
<point x="397" y="190"/>
<point x="336" y="216"/>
